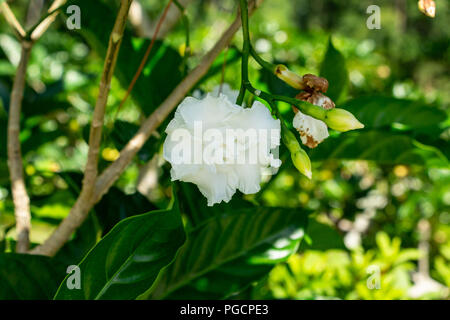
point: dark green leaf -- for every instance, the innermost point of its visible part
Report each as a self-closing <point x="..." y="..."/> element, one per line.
<point x="128" y="259"/>
<point x="334" y="70"/>
<point x="116" y="206"/>
<point x="380" y="146"/>
<point x="122" y="133"/>
<point x="194" y="204"/>
<point x="323" y="237"/>
<point x="29" y="277"/>
<point x="379" y="111"/>
<point x="227" y="253"/>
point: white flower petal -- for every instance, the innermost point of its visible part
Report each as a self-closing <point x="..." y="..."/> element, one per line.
<point x="312" y="131"/>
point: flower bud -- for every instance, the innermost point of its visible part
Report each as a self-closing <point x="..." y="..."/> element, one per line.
<point x="302" y="162"/>
<point x="299" y="156"/>
<point x="428" y="7"/>
<point x="342" y="120"/>
<point x="315" y="83"/>
<point x="291" y="78"/>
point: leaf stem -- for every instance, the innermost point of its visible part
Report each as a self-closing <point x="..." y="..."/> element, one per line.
<point x="263" y="63"/>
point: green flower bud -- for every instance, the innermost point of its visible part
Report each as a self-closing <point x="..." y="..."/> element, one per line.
<point x="342" y="120"/>
<point x="302" y="162"/>
<point x="291" y="78"/>
<point x="299" y="156"/>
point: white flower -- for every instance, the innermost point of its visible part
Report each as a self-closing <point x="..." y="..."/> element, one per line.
<point x="215" y="165"/>
<point x="224" y="89"/>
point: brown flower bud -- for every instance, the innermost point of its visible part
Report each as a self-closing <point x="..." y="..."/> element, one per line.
<point x="428" y="7"/>
<point x="315" y="83"/>
<point x="316" y="98"/>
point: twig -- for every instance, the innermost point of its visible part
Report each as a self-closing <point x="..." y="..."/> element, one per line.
<point x="19" y="192"/>
<point x="18" y="188"/>
<point x="144" y="59"/>
<point x="44" y="24"/>
<point x="80" y="211"/>
<point x="83" y="203"/>
<point x="12" y="20"/>
<point x="145" y="28"/>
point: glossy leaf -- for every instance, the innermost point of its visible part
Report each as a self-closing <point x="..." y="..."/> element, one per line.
<point x="194" y="204"/>
<point x="380" y="111"/>
<point x="333" y="68"/>
<point x="29" y="277"/>
<point x="323" y="237"/>
<point x="380" y="146"/>
<point x="225" y="254"/>
<point x="128" y="259"/>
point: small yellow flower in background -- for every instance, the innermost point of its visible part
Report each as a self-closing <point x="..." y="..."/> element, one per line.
<point x="110" y="154"/>
<point x="401" y="171"/>
<point x="342" y="120"/>
<point x="30" y="170"/>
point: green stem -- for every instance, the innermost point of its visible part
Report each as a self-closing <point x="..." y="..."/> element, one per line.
<point x="308" y="108"/>
<point x="245" y="51"/>
<point x="263" y="63"/>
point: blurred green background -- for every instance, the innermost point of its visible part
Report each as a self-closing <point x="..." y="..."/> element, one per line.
<point x="381" y="201"/>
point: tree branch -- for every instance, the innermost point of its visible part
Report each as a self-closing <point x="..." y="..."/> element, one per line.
<point x="83" y="203"/>
<point x="81" y="209"/>
<point x="18" y="189"/>
<point x="145" y="28"/>
<point x="12" y="20"/>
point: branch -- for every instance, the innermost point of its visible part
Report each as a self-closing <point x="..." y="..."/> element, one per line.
<point x="83" y="203"/>
<point x="12" y="20"/>
<point x="145" y="28"/>
<point x="19" y="192"/>
<point x="81" y="209"/>
<point x="44" y="24"/>
<point x="145" y="58"/>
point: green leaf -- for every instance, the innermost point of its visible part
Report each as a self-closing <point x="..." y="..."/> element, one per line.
<point x="162" y="71"/>
<point x="194" y="204"/>
<point x="323" y="236"/>
<point x="380" y="111"/>
<point x="122" y="133"/>
<point x="225" y="254"/>
<point x="380" y="146"/>
<point x="128" y="259"/>
<point x="116" y="206"/>
<point x="333" y="68"/>
<point x="29" y="277"/>
<point x="85" y="238"/>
